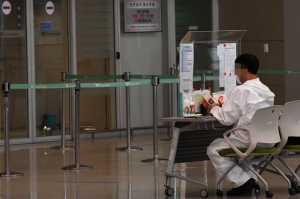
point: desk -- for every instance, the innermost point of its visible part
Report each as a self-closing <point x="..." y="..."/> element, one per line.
<point x="191" y="137"/>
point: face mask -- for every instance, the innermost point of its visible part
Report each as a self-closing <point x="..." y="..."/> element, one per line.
<point x="238" y="79"/>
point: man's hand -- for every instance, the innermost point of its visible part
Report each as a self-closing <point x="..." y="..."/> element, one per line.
<point x="221" y="102"/>
<point x="210" y="106"/>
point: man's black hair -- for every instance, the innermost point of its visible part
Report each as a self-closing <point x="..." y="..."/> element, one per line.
<point x="250" y="61"/>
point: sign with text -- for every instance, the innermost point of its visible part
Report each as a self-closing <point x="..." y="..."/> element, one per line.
<point x="46" y="25"/>
<point x="12" y="33"/>
<point x="186" y="68"/>
<point x="142" y="15"/>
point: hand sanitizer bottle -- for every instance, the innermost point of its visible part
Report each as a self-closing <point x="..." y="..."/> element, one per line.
<point x="186" y="106"/>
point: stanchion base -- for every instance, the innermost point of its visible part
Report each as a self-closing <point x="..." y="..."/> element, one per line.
<point x="77" y="168"/>
<point x="133" y="148"/>
<point x="10" y="174"/>
<point x="62" y="147"/>
<point x="155" y="160"/>
<point x="166" y="139"/>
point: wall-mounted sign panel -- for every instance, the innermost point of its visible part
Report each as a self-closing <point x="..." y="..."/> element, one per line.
<point x="12" y="33"/>
<point x="142" y="15"/>
<point x="50" y="33"/>
<point x="49" y="36"/>
<point x="46" y="25"/>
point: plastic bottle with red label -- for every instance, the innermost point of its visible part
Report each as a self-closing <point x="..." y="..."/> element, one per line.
<point x="192" y="106"/>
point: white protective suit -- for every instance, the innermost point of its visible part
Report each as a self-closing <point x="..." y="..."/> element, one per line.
<point x="238" y="109"/>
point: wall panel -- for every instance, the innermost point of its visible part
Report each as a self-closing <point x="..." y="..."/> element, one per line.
<point x="292" y="46"/>
<point x="263" y="21"/>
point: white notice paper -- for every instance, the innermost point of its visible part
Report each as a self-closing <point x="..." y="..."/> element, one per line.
<point x="186" y="67"/>
<point x="227" y="56"/>
<point x="220" y="50"/>
<point x="230" y="84"/>
<point x="230" y="56"/>
<point x="221" y="71"/>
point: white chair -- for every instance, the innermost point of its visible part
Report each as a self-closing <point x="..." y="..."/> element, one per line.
<point x="263" y="129"/>
<point x="289" y="128"/>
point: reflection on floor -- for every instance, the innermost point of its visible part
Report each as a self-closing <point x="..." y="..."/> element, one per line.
<point x="115" y="174"/>
<point x="19" y="133"/>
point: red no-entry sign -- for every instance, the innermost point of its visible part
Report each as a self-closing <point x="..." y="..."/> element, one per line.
<point x="6" y="7"/>
<point x="49" y="8"/>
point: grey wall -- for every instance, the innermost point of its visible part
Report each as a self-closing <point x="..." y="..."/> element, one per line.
<point x="292" y="48"/>
<point x="145" y="54"/>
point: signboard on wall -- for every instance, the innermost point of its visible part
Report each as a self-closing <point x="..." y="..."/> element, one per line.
<point x="142" y="15"/>
<point x="45" y="25"/>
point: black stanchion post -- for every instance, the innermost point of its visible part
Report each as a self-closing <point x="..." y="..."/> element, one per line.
<point x="155" y="82"/>
<point x="7" y="172"/>
<point x="203" y="80"/>
<point x="77" y="165"/>
<point x="171" y="110"/>
<point x="126" y="78"/>
<point x="63" y="116"/>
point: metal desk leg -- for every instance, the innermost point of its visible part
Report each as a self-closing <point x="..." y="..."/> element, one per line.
<point x="169" y="172"/>
<point x="172" y="155"/>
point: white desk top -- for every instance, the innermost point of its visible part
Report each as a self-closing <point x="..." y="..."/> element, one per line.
<point x="182" y="119"/>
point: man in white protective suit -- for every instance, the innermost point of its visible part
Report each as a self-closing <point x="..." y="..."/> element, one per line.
<point x="238" y="109"/>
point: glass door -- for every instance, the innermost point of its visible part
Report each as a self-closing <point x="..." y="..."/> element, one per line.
<point x="39" y="55"/>
<point x="95" y="56"/>
<point x="13" y="67"/>
<point x="51" y="58"/>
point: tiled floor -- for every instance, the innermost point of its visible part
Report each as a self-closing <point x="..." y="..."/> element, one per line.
<point x="115" y="174"/>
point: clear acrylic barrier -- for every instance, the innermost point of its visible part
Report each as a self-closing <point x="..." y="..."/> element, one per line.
<point x="205" y="51"/>
<point x="220" y="36"/>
